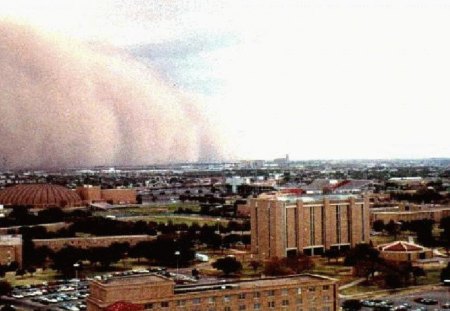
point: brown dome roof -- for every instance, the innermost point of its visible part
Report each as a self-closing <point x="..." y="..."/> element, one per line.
<point x="39" y="196"/>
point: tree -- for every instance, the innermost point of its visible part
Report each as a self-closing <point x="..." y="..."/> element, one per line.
<point x="5" y="288"/>
<point x="195" y="273"/>
<point x="445" y="273"/>
<point x="255" y="264"/>
<point x="378" y="225"/>
<point x="393" y="228"/>
<point x="352" y="305"/>
<point x="392" y="280"/>
<point x="13" y="266"/>
<point x="20" y="272"/>
<point x="140" y="250"/>
<point x="31" y="270"/>
<point x="365" y="259"/>
<point x="445" y="234"/>
<point x="227" y="265"/>
<point x="332" y="253"/>
<point x="417" y="272"/>
<point x="275" y="267"/>
<point x="64" y="259"/>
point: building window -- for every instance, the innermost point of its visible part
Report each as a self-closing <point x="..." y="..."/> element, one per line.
<point x="299" y="301"/>
<point x="241" y="307"/>
<point x="271" y="293"/>
<point x="148" y="306"/>
<point x="212" y="299"/>
<point x="299" y="291"/>
<point x="312" y="289"/>
<point x="326" y="309"/>
<point x="312" y="240"/>
<point x="284" y="292"/>
<point x="226" y="298"/>
<point x="363" y="223"/>
<point x="257" y="306"/>
<point x="241" y="296"/>
<point x="338" y="224"/>
<point x="285" y="302"/>
<point x="326" y="298"/>
<point x="196" y="301"/>
<point x="181" y="302"/>
<point x="227" y="309"/>
<point x="271" y="304"/>
<point x="326" y="287"/>
<point x="164" y="304"/>
<point x="256" y="294"/>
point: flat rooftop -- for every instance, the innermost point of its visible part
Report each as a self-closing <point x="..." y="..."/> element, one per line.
<point x="133" y="279"/>
<point x="213" y="284"/>
<point x="307" y="198"/>
<point x="252" y="283"/>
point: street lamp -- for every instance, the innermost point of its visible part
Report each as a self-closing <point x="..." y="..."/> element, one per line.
<point x="76" y="266"/>
<point x="177" y="254"/>
<point x="218" y="225"/>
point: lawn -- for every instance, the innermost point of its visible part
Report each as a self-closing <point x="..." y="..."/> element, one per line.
<point x="149" y="209"/>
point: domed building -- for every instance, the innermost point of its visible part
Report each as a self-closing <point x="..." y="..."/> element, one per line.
<point x="40" y="196"/>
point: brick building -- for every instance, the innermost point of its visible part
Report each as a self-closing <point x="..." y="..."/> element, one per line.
<point x="283" y="225"/>
<point x="402" y="251"/>
<point x="409" y="212"/>
<point x="10" y="249"/>
<point x="154" y="292"/>
<point x="90" y="194"/>
<point x="88" y="242"/>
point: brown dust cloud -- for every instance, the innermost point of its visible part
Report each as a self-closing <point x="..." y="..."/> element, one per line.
<point x="65" y="103"/>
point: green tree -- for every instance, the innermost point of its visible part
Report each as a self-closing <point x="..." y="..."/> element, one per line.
<point x="227" y="265"/>
<point x="275" y="266"/>
<point x="365" y="259"/>
<point x="255" y="264"/>
<point x="393" y="228"/>
<point x="5" y="288"/>
<point x="352" y="305"/>
<point x="445" y="273"/>
<point x="378" y="225"/>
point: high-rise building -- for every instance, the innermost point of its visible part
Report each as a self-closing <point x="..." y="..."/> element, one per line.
<point x="284" y="225"/>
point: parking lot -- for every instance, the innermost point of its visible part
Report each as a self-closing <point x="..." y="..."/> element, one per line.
<point x="437" y="299"/>
<point x="70" y="295"/>
<point x="67" y="295"/>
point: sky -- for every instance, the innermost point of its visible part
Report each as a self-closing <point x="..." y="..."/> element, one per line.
<point x="312" y="79"/>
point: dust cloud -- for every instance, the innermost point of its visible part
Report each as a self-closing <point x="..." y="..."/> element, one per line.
<point x="65" y="103"/>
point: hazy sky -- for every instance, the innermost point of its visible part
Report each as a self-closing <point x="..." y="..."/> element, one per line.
<point x="315" y="79"/>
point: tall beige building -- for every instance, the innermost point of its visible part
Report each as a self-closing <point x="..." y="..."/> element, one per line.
<point x="282" y="225"/>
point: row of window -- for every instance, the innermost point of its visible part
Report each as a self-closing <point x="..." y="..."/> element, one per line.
<point x="257" y="306"/>
<point x="227" y="298"/>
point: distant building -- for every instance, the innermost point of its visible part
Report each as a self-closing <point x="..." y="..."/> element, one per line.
<point x="402" y="251"/>
<point x="93" y="194"/>
<point x="40" y="196"/>
<point x="10" y="249"/>
<point x="409" y="212"/>
<point x="284" y="225"/>
<point x="154" y="292"/>
<point x="88" y="242"/>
